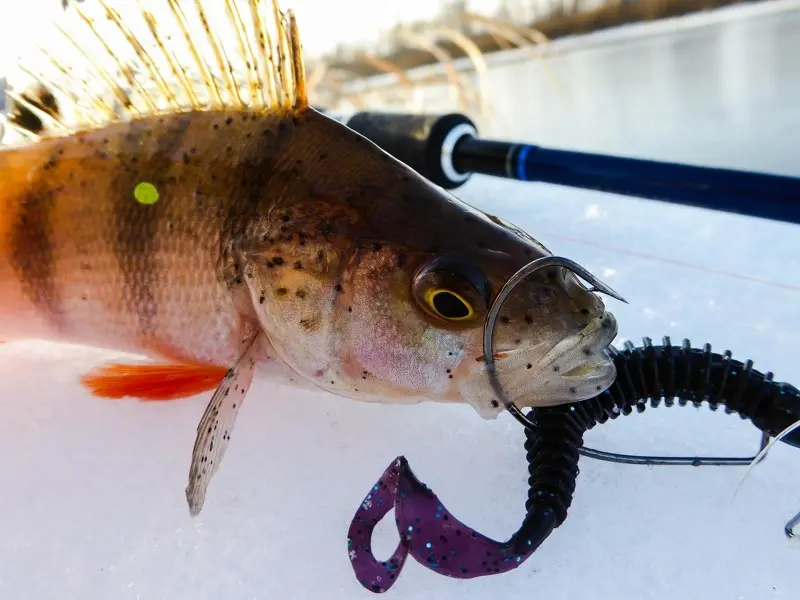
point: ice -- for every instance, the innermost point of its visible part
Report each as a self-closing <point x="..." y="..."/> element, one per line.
<point x="92" y="504"/>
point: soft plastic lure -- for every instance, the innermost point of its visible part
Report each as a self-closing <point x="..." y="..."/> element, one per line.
<point x="430" y="534"/>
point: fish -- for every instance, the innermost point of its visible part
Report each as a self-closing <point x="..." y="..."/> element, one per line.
<point x="172" y="193"/>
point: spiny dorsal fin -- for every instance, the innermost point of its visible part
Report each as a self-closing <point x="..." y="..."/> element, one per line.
<point x="107" y="61"/>
<point x="34" y="110"/>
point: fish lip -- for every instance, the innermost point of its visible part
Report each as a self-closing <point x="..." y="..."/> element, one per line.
<point x="581" y="383"/>
<point x="598" y="338"/>
<point x="528" y="384"/>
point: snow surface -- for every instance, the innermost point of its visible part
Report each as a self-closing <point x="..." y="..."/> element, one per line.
<point x="92" y="503"/>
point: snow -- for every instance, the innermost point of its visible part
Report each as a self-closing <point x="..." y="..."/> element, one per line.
<point x="92" y="503"/>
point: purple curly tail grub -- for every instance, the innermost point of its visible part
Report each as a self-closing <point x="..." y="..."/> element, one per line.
<point x="435" y="538"/>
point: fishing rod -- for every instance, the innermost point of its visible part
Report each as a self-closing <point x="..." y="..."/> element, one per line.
<point x="446" y="150"/>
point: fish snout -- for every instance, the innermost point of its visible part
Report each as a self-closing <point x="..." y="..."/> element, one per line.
<point x="585" y="301"/>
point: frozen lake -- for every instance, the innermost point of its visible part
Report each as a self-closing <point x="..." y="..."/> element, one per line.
<point x="92" y="503"/>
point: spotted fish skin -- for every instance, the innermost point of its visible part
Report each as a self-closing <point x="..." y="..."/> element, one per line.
<point x="264" y="218"/>
<point x="83" y="261"/>
<point x="199" y="212"/>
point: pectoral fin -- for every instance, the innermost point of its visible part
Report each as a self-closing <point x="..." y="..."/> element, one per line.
<point x="214" y="430"/>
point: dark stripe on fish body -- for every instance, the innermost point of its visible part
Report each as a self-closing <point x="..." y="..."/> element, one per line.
<point x="136" y="224"/>
<point x="32" y="251"/>
<point x="249" y="198"/>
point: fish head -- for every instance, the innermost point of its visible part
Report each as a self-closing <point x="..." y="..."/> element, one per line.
<point x="550" y="333"/>
<point x="419" y="326"/>
<point x="410" y="274"/>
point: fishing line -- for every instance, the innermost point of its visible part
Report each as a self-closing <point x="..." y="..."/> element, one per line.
<point x="647" y="376"/>
<point x="763" y="454"/>
<point x="446" y="150"/>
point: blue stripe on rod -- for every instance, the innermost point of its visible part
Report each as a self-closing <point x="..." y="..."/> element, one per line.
<point x="522" y="157"/>
<point x="743" y="192"/>
<point x="417" y="141"/>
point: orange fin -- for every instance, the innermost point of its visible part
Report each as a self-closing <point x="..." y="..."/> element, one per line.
<point x="153" y="382"/>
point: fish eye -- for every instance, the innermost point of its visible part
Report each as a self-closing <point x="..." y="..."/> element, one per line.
<point x="451" y="290"/>
<point x="449" y="304"/>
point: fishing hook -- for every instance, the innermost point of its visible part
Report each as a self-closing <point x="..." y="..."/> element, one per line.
<point x="494" y="311"/>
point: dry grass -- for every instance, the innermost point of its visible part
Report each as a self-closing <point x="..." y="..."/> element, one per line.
<point x="474" y="36"/>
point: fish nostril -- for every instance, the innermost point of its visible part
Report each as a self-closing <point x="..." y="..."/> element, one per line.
<point x="589" y="314"/>
<point x="590" y="305"/>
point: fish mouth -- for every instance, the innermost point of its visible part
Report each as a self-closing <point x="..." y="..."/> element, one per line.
<point x="579" y="367"/>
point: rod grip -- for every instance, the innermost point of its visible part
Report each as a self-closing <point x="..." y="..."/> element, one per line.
<point x="423" y="142"/>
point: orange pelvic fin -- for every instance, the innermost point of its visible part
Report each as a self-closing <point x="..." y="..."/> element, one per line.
<point x="153" y="382"/>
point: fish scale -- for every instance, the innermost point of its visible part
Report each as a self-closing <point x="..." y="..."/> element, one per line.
<point x="173" y="195"/>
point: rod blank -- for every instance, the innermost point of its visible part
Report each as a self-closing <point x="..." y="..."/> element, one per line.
<point x="447" y="150"/>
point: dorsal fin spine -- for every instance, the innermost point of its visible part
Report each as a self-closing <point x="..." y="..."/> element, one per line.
<point x="132" y="81"/>
<point x="245" y="49"/>
<point x="98" y="102"/>
<point x="169" y="55"/>
<point x="265" y="47"/>
<point x="104" y="75"/>
<point x="283" y="48"/>
<point x="142" y="53"/>
<point x="208" y="79"/>
<point x="223" y="63"/>
<point x="132" y="61"/>
<point x="45" y="82"/>
<point x="300" y="84"/>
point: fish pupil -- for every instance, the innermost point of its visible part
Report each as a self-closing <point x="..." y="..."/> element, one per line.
<point x="450" y="306"/>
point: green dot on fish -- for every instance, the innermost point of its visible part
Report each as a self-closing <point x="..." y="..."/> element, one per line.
<point x="145" y="193"/>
